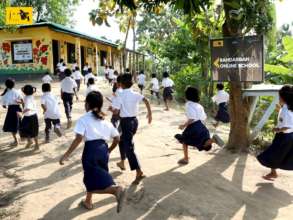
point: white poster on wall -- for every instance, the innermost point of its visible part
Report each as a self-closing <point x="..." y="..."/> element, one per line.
<point x="22" y="51"/>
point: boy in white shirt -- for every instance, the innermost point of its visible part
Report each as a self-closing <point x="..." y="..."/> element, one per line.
<point x="155" y="87"/>
<point x="141" y="81"/>
<point x="91" y="86"/>
<point x="126" y="106"/>
<point x="89" y="75"/>
<point x="167" y="84"/>
<point x="50" y="106"/>
<point x="77" y="76"/>
<point x="110" y="75"/>
<point x="62" y="71"/>
<point x="47" y="78"/>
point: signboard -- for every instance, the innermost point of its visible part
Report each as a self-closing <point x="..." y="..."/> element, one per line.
<point x="237" y="59"/>
<point x="19" y="15"/>
<point x="22" y="51"/>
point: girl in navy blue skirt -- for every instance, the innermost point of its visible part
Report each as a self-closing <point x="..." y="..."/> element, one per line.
<point x="12" y="99"/>
<point x="195" y="132"/>
<point x="167" y="84"/>
<point x="280" y="154"/>
<point x="96" y="131"/>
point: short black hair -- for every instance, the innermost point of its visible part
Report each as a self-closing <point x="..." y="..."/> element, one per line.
<point x="91" y="81"/>
<point x="47" y="73"/>
<point x="9" y="83"/>
<point x="220" y="86"/>
<point x="61" y="60"/>
<point x="67" y="72"/>
<point x="116" y="73"/>
<point x="46" y="87"/>
<point x="28" y="89"/>
<point x="89" y="70"/>
<point x="154" y="75"/>
<point x="127" y="70"/>
<point x="76" y="68"/>
<point x="286" y="93"/>
<point x="64" y="64"/>
<point x="192" y="94"/>
<point x="141" y="72"/>
<point x="94" y="101"/>
<point x="126" y="80"/>
<point x="118" y="80"/>
<point x="165" y="74"/>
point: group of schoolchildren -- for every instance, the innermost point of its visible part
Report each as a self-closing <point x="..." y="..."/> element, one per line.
<point x="96" y="131"/>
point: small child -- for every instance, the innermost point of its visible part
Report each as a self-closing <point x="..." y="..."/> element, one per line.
<point x="77" y="76"/>
<point x="29" y="127"/>
<point x="141" y="81"/>
<point x="280" y="154"/>
<point x="155" y="90"/>
<point x="85" y="69"/>
<point x="127" y="107"/>
<point x="195" y="132"/>
<point x="221" y="99"/>
<point x="111" y="75"/>
<point x="12" y="99"/>
<point x="167" y="84"/>
<point x="89" y="75"/>
<point x="91" y="86"/>
<point x="47" y="78"/>
<point x="62" y="71"/>
<point x="74" y="65"/>
<point x="68" y="89"/>
<point x="50" y="106"/>
<point x="96" y="131"/>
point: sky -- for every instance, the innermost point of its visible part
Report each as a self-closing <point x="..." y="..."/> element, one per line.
<point x="82" y="23"/>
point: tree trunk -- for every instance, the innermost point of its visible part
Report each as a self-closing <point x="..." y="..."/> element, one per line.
<point x="124" y="45"/>
<point x="133" y="55"/>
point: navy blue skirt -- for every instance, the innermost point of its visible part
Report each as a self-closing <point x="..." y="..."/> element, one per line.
<point x="167" y="93"/>
<point x="280" y="154"/>
<point x="95" y="160"/>
<point x="223" y="113"/>
<point x="195" y="134"/>
<point x="12" y="120"/>
<point x="29" y="126"/>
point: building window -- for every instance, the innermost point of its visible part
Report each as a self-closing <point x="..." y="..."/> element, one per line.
<point x="22" y="51"/>
<point x="70" y="53"/>
<point x="103" y="55"/>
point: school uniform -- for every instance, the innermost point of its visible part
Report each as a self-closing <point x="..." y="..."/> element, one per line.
<point x="128" y="102"/>
<point x="280" y="154"/>
<point x="11" y="100"/>
<point x="95" y="155"/>
<point x="29" y="127"/>
<point x="77" y="76"/>
<point x="89" y="89"/>
<point x="196" y="133"/>
<point x="107" y="73"/>
<point x="167" y="84"/>
<point x="47" y="79"/>
<point x="155" y="87"/>
<point x="110" y="75"/>
<point x="85" y="70"/>
<point x="67" y="88"/>
<point x="61" y="74"/>
<point x="52" y="114"/>
<point x="88" y="76"/>
<point x="141" y="81"/>
<point x="222" y="99"/>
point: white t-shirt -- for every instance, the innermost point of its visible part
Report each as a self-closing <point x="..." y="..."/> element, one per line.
<point x="167" y="82"/>
<point x="85" y="68"/>
<point x="114" y="98"/>
<point x="74" y="66"/>
<point x="155" y="85"/>
<point x="77" y="75"/>
<point x="195" y="111"/>
<point x="88" y="76"/>
<point x="128" y="102"/>
<point x="89" y="89"/>
<point x="285" y="119"/>
<point x="59" y="65"/>
<point x="68" y="85"/>
<point x="51" y="103"/>
<point x="141" y="79"/>
<point x="11" y="97"/>
<point x="220" y="97"/>
<point x="92" y="128"/>
<point x="47" y="79"/>
<point x="62" y="68"/>
<point x="30" y="104"/>
<point x="111" y="74"/>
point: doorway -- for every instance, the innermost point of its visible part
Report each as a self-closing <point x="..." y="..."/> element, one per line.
<point x="56" y="54"/>
<point x="82" y="56"/>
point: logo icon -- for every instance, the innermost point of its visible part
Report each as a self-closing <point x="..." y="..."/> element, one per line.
<point x="217" y="63"/>
<point x="19" y="15"/>
<point x="218" y="43"/>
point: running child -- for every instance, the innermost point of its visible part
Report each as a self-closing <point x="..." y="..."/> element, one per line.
<point x="29" y="127"/>
<point x="47" y="78"/>
<point x="167" y="84"/>
<point x="50" y="106"/>
<point x="141" y="81"/>
<point x="77" y="76"/>
<point x="111" y="75"/>
<point x="62" y="71"/>
<point x="91" y="86"/>
<point x="11" y="99"/>
<point x="68" y="90"/>
<point x="280" y="154"/>
<point x="89" y="75"/>
<point x="92" y="128"/>
<point x="85" y="69"/>
<point x="195" y="132"/>
<point x="155" y="87"/>
<point x="128" y="103"/>
<point x="221" y="99"/>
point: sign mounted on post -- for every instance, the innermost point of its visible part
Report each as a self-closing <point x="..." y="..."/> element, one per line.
<point x="237" y="59"/>
<point x="19" y="15"/>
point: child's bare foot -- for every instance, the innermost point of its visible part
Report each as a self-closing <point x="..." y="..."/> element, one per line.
<point x="121" y="165"/>
<point x="37" y="147"/>
<point x="14" y="144"/>
<point x="29" y="144"/>
<point x="58" y="132"/>
<point x="139" y="177"/>
<point x="69" y="123"/>
<point x="166" y="109"/>
<point x="218" y="140"/>
<point x="120" y="196"/>
<point x="183" y="161"/>
<point x="271" y="176"/>
<point x="86" y="205"/>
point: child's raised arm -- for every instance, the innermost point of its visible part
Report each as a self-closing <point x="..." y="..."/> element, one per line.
<point x="73" y="146"/>
<point x="148" y="106"/>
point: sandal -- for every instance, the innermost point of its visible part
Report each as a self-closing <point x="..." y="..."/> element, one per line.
<point x="138" y="179"/>
<point x="183" y="162"/>
<point x="84" y="205"/>
<point x="120" y="199"/>
<point x="269" y="177"/>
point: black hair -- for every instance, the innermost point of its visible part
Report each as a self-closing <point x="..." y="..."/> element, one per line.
<point x="91" y="81"/>
<point x="118" y="80"/>
<point x="165" y="74"/>
<point x="89" y="70"/>
<point x="61" y="60"/>
<point x="286" y="93"/>
<point x="9" y="84"/>
<point x="46" y="87"/>
<point x="192" y="94"/>
<point x="28" y="89"/>
<point x="67" y="72"/>
<point x="220" y="86"/>
<point x="47" y="73"/>
<point x="126" y="80"/>
<point x="127" y="70"/>
<point x="64" y="64"/>
<point x="77" y="68"/>
<point x="116" y="73"/>
<point x="154" y="75"/>
<point x="141" y="72"/>
<point x="94" y="100"/>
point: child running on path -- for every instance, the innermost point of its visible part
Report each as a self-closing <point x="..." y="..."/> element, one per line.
<point x="77" y="76"/>
<point x="280" y="154"/>
<point x="195" y="132"/>
<point x="47" y="78"/>
<point x="155" y="87"/>
<point x="96" y="131"/>
<point x="167" y="84"/>
<point x="128" y="103"/>
<point x="141" y="81"/>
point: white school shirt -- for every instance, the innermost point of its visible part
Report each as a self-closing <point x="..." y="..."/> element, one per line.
<point x="89" y="89"/>
<point x="195" y="111"/>
<point x="285" y="119"/>
<point x="114" y="98"/>
<point x="77" y="75"/>
<point x="167" y="82"/>
<point x="51" y="103"/>
<point x="111" y="74"/>
<point x="85" y="68"/>
<point x="47" y="79"/>
<point x="88" y="76"/>
<point x="74" y="66"/>
<point x="59" y="65"/>
<point x="220" y="97"/>
<point x="128" y="102"/>
<point x="29" y="103"/>
<point x="62" y="68"/>
<point x="141" y="79"/>
<point x="11" y="97"/>
<point x="155" y="85"/>
<point x="68" y="85"/>
<point x="92" y="128"/>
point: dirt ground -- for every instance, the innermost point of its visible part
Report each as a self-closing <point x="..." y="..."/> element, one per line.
<point x="215" y="185"/>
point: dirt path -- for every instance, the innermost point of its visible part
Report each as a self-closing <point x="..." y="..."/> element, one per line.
<point x="215" y="185"/>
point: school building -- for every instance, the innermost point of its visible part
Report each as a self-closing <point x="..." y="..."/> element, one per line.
<point x="31" y="50"/>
